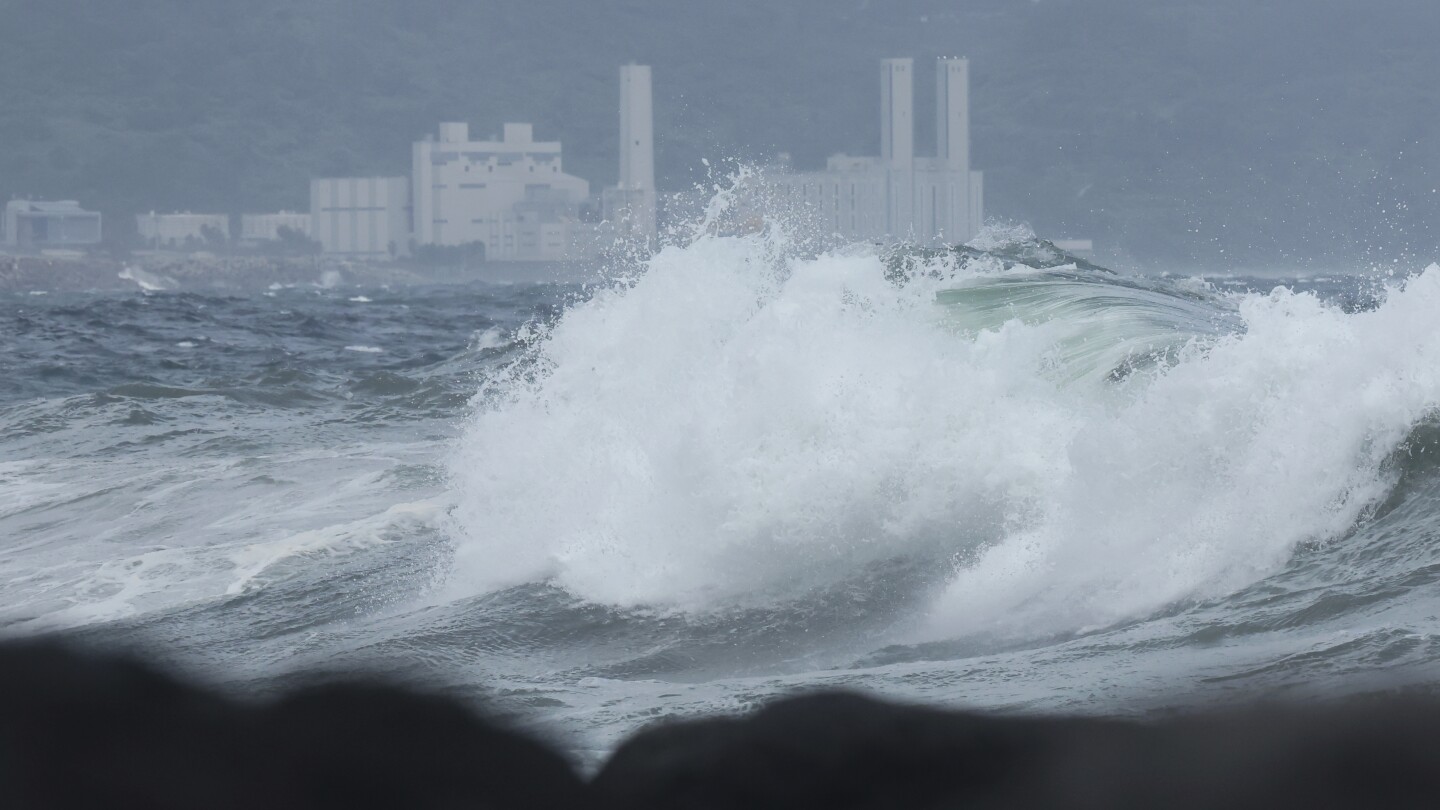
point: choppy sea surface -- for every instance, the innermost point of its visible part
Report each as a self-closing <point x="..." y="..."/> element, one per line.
<point x="737" y="474"/>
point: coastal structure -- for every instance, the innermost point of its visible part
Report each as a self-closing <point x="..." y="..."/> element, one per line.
<point x="182" y="230"/>
<point x="630" y="205"/>
<point x="897" y="195"/>
<point x="267" y="227"/>
<point x="509" y="193"/>
<point x="40" y="225"/>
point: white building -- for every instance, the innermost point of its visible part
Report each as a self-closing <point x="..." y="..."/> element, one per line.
<point x="34" y="225"/>
<point x="898" y="196"/>
<point x="266" y="227"/>
<point x="630" y="205"/>
<point x="511" y="194"/>
<point x="363" y="217"/>
<point x="182" y="229"/>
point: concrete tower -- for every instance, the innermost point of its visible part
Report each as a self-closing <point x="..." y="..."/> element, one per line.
<point x="952" y="113"/>
<point x="897" y="144"/>
<point x="897" y="196"/>
<point x="956" y="214"/>
<point x="637" y="153"/>
<point x="897" y="112"/>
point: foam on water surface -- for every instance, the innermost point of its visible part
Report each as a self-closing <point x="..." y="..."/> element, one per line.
<point x="1000" y="477"/>
<point x="738" y="429"/>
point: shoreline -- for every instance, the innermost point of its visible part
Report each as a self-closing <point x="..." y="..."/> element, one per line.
<point x="252" y="274"/>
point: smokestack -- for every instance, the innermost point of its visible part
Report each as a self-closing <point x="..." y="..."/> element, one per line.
<point x="637" y="148"/>
<point x="952" y="113"/>
<point x="637" y="129"/>
<point x="897" y="112"/>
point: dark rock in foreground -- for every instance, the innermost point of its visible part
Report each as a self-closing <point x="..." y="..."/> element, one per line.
<point x="845" y="751"/>
<point x="78" y="730"/>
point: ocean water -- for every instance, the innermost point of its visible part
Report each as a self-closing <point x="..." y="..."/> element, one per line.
<point x="738" y="473"/>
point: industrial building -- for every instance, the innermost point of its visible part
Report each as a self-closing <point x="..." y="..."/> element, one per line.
<point x="35" y="225"/>
<point x="898" y="196"/>
<point x="266" y="227"/>
<point x="361" y="217"/>
<point x="510" y="194"/>
<point x="181" y="230"/>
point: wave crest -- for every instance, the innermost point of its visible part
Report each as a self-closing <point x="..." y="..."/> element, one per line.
<point x="736" y="427"/>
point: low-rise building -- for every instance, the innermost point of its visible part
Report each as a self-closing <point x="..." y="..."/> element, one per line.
<point x="266" y="227"/>
<point x="39" y="225"/>
<point x="182" y="230"/>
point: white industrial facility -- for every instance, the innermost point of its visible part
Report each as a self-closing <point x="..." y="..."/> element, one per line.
<point x="510" y="194"/>
<point x="36" y="225"/>
<point x="898" y="195"/>
<point x="364" y="217"/>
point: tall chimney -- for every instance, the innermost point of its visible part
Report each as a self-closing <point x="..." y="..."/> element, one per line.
<point x="897" y="112"/>
<point x="637" y="144"/>
<point x="952" y="113"/>
<point x="637" y="148"/>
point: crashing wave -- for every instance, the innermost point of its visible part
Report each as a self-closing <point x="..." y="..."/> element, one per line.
<point x="737" y="427"/>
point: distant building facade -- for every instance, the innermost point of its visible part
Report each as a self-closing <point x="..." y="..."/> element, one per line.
<point x="37" y="225"/>
<point x="266" y="227"/>
<point x="362" y="217"/>
<point x="181" y="230"/>
<point x="510" y="194"/>
<point x="898" y="196"/>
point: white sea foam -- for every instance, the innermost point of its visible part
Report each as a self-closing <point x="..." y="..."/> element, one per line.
<point x="153" y="537"/>
<point x="737" y="427"/>
<point x="149" y="282"/>
<point x="1215" y="471"/>
<point x="492" y="338"/>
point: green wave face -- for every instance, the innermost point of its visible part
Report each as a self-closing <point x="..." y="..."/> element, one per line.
<point x="1103" y="326"/>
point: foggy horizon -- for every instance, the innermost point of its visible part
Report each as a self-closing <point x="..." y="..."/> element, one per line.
<point x="1174" y="134"/>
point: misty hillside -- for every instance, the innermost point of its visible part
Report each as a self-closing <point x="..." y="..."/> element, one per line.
<point x="1178" y="132"/>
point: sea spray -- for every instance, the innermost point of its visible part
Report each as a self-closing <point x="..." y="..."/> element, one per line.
<point x="739" y="427"/>
<point x="1218" y="468"/>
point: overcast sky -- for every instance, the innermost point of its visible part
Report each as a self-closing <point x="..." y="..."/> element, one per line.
<point x="1178" y="131"/>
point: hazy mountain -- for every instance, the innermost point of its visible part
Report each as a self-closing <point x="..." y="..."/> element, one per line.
<point x="1211" y="133"/>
